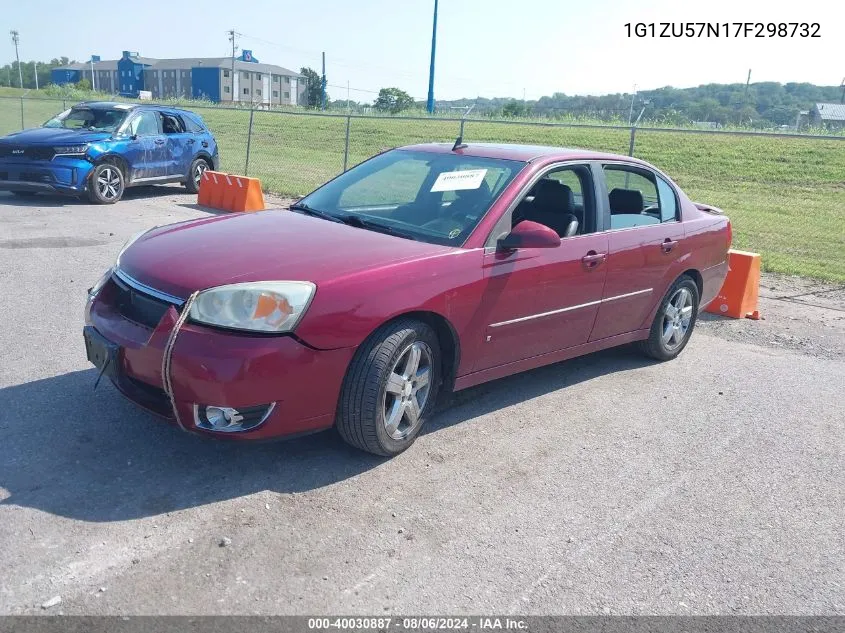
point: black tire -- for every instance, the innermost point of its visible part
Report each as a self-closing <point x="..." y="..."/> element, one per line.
<point x="24" y="194"/>
<point x="106" y="173"/>
<point x="656" y="346"/>
<point x="360" y="415"/>
<point x="192" y="182"/>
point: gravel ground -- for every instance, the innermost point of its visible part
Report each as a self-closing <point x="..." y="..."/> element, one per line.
<point x="606" y="484"/>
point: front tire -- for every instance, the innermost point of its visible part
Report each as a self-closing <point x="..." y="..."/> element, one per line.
<point x="390" y="388"/>
<point x="106" y="184"/>
<point x="674" y="322"/>
<point x="195" y="172"/>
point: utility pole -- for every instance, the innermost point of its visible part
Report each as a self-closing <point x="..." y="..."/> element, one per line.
<point x="323" y="85"/>
<point x="631" y="109"/>
<point x="747" y="81"/>
<point x="348" y="106"/>
<point x="842" y="85"/>
<point x="430" y="103"/>
<point x="232" y="78"/>
<point x="36" y="74"/>
<point x="16" y="38"/>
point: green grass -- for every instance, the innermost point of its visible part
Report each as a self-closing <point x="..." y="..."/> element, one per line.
<point x="785" y="196"/>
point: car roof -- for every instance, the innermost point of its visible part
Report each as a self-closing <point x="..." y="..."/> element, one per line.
<point x="105" y="105"/>
<point x="524" y="153"/>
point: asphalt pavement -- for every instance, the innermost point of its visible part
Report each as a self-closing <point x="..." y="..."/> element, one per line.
<point x="609" y="484"/>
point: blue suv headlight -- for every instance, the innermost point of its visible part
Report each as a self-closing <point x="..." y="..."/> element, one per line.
<point x="71" y="150"/>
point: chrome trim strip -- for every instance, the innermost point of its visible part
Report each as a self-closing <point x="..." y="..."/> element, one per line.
<point x="630" y="294"/>
<point x="143" y="288"/>
<point x="544" y="314"/>
<point x="569" y="308"/>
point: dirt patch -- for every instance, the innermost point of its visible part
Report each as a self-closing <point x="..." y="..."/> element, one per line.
<point x="804" y="315"/>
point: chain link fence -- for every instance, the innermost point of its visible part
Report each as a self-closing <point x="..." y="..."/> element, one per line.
<point x="785" y="193"/>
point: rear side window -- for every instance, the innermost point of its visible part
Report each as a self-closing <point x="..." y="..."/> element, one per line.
<point x="668" y="201"/>
<point x="633" y="197"/>
<point x="193" y="123"/>
<point x="171" y="124"/>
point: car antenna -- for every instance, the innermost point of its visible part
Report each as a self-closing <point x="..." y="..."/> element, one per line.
<point x="459" y="142"/>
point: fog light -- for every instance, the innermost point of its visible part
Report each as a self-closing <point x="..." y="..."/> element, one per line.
<point x="221" y="417"/>
<point x="229" y="419"/>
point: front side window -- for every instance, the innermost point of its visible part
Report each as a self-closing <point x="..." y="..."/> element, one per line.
<point x="437" y="198"/>
<point x="144" y="124"/>
<point x="632" y="196"/>
<point x="563" y="200"/>
<point x="93" y="119"/>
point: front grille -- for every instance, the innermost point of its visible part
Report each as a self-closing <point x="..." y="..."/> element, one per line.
<point x="138" y="306"/>
<point x="30" y="153"/>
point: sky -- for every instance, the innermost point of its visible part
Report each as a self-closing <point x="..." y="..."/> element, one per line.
<point x="489" y="48"/>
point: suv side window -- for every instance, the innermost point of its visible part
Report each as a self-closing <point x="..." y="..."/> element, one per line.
<point x="633" y="199"/>
<point x="191" y="124"/>
<point x="144" y="124"/>
<point x="171" y="124"/>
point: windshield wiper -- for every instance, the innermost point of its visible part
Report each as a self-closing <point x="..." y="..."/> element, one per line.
<point x="358" y="221"/>
<point x="304" y="208"/>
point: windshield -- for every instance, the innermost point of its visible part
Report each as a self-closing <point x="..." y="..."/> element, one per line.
<point x="438" y="198"/>
<point x="91" y="119"/>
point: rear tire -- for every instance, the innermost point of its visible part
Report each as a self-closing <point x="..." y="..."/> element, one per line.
<point x="195" y="172"/>
<point x="390" y="388"/>
<point x="674" y="322"/>
<point x="106" y="184"/>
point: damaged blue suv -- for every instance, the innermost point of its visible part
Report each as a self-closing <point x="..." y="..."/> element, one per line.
<point x="98" y="149"/>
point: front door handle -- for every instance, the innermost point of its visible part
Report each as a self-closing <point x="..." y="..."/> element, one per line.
<point x="190" y="141"/>
<point x="668" y="245"/>
<point x="592" y="259"/>
<point x="159" y="141"/>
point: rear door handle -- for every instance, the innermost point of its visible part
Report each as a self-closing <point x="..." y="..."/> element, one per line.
<point x="593" y="259"/>
<point x="668" y="245"/>
<point x="159" y="141"/>
<point x="190" y="141"/>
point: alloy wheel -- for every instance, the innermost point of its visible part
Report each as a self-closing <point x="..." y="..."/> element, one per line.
<point x="676" y="318"/>
<point x="199" y="170"/>
<point x="407" y="390"/>
<point x="108" y="183"/>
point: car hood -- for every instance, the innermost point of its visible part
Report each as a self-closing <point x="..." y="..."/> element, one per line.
<point x="271" y="245"/>
<point x="54" y="136"/>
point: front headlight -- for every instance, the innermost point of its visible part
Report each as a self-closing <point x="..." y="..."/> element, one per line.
<point x="70" y="150"/>
<point x="261" y="306"/>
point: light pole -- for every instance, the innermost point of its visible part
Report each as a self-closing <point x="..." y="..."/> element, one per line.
<point x="430" y="104"/>
<point x="16" y="38"/>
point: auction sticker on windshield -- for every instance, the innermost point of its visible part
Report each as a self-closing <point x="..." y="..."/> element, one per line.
<point x="458" y="180"/>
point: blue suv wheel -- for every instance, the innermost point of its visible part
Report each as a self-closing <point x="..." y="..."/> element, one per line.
<point x="106" y="184"/>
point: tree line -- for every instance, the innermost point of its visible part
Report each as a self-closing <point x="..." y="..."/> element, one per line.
<point x="762" y="104"/>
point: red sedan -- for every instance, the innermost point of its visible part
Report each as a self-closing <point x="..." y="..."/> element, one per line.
<point x="424" y="269"/>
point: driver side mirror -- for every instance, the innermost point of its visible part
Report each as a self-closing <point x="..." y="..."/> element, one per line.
<point x="528" y="234"/>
